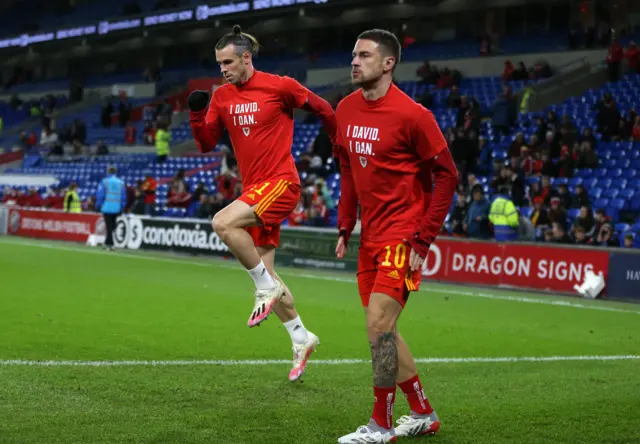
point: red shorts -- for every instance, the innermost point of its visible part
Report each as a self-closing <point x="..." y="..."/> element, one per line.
<point x="384" y="268"/>
<point x="274" y="201"/>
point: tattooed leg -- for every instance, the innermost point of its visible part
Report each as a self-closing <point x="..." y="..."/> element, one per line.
<point x="382" y="316"/>
<point x="384" y="356"/>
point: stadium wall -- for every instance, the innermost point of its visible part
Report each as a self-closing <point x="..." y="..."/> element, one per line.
<point x="554" y="269"/>
<point x="470" y="67"/>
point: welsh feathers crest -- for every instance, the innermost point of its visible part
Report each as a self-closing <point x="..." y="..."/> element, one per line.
<point x="363" y="161"/>
<point x="246" y="131"/>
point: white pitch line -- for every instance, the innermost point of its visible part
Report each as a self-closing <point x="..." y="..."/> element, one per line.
<point x="264" y="362"/>
<point x="221" y="264"/>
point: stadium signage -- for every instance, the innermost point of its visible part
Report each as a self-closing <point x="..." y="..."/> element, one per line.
<point x="55" y="225"/>
<point x="512" y="265"/>
<point x="104" y="27"/>
<point x="187" y="235"/>
<point x="624" y="275"/>
<point x="268" y="4"/>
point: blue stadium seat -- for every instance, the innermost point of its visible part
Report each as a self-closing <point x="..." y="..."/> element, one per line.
<point x="601" y="203"/>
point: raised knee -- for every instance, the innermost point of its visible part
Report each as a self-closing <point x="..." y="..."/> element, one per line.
<point x="221" y="225"/>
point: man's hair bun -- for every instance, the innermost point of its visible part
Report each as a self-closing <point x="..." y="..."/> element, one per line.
<point x="237" y="30"/>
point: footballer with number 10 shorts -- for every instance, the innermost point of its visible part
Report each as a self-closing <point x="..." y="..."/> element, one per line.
<point x="390" y="149"/>
<point x="257" y="110"/>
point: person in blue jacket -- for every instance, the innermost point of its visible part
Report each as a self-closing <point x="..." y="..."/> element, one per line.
<point x="111" y="201"/>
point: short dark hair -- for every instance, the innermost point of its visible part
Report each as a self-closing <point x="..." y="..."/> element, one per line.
<point x="386" y="40"/>
<point x="111" y="170"/>
<point x="241" y="40"/>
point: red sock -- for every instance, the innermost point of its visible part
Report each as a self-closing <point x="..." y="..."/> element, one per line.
<point x="414" y="392"/>
<point x="383" y="406"/>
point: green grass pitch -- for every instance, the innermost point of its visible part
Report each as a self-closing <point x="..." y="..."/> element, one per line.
<point x="60" y="302"/>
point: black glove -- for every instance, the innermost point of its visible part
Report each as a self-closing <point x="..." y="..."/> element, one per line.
<point x="198" y="100"/>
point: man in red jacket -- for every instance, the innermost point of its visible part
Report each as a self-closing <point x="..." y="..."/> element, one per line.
<point x="390" y="148"/>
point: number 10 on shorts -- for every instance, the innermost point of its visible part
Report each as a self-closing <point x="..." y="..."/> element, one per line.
<point x="399" y="258"/>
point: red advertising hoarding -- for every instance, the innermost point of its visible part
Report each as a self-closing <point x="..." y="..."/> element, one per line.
<point x="56" y="225"/>
<point x="540" y="267"/>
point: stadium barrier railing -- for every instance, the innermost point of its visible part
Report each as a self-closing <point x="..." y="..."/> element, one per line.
<point x="541" y="267"/>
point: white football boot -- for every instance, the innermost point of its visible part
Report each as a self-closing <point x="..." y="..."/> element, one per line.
<point x="301" y="353"/>
<point x="266" y="300"/>
<point x="371" y="433"/>
<point x="418" y="425"/>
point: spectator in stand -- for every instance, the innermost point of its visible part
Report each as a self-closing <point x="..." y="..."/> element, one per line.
<point x="149" y="134"/>
<point x="628" y="240"/>
<point x="458" y="216"/>
<point x="298" y="216"/>
<point x="445" y="80"/>
<point x="560" y="236"/>
<point x="454" y="99"/>
<point x="526" y="229"/>
<point x="199" y="191"/>
<point x="547" y="191"/>
<point x="601" y="219"/>
<point x="580" y="236"/>
<point x="78" y="135"/>
<point x="164" y="112"/>
<point x="632" y="55"/>
<point x="179" y="195"/>
<point x="557" y="214"/>
<point x="217" y="203"/>
<point x="588" y="137"/>
<point x="566" y="199"/>
<point x="138" y="205"/>
<point x="428" y="74"/>
<point x="516" y="146"/>
<point x="581" y="198"/>
<point x="548" y="167"/>
<point x="124" y="111"/>
<point x="163" y="139"/>
<point x="568" y="132"/>
<point x="605" y="237"/>
<point x="107" y="111"/>
<point x="586" y="156"/>
<point x="33" y="199"/>
<point x="49" y="140"/>
<point x="501" y="115"/>
<point x="204" y="206"/>
<point x="550" y="145"/>
<point x="54" y="200"/>
<point x="89" y="204"/>
<point x="566" y="165"/>
<point x="586" y="221"/>
<point x="540" y="215"/>
<point x="548" y="235"/>
<point x="608" y="117"/>
<point x="426" y="99"/>
<point x="225" y="184"/>
<point x="614" y="59"/>
<point x="130" y="134"/>
<point x="515" y="185"/>
<point x="508" y="71"/>
<point x="635" y="131"/>
<point x="477" y="222"/>
<point x="521" y="74"/>
<point x="149" y="188"/>
<point x="319" y="214"/>
<point x="101" y="148"/>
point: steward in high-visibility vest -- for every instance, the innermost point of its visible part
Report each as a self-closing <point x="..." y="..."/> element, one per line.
<point x="72" y="203"/>
<point x="163" y="137"/>
<point x="504" y="217"/>
<point x="526" y="96"/>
